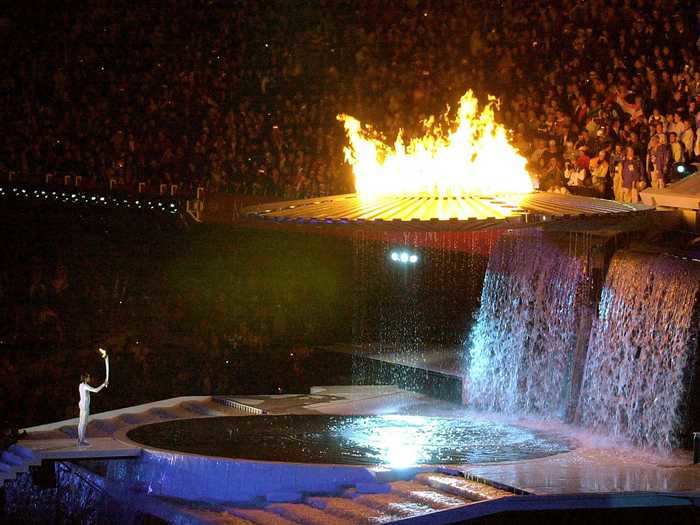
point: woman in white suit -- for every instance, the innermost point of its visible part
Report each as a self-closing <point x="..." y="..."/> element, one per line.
<point x="85" y="389"/>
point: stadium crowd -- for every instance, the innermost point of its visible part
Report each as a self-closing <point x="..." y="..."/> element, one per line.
<point x="242" y="97"/>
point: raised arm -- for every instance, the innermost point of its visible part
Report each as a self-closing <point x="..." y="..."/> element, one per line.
<point x="93" y="389"/>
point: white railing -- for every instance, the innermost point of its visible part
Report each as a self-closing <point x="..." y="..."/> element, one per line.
<point x="232" y="403"/>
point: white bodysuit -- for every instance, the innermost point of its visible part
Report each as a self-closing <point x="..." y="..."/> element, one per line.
<point x="84" y="406"/>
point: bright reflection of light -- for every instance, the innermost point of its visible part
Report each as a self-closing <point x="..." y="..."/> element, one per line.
<point x="400" y="441"/>
<point x="402" y="455"/>
<point x="394" y="256"/>
<point x="402" y="444"/>
<point x="404" y="257"/>
<point x="413" y="258"/>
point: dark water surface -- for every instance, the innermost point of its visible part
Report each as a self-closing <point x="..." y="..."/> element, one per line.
<point x="357" y="440"/>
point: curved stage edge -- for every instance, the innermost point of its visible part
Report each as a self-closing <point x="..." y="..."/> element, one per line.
<point x="595" y="473"/>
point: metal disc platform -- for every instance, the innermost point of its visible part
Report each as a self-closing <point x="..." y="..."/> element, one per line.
<point x="430" y="213"/>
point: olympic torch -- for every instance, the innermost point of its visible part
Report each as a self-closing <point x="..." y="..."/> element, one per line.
<point x="104" y="355"/>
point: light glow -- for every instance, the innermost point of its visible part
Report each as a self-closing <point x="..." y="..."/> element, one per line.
<point x="402" y="440"/>
<point x="404" y="257"/>
<point x="467" y="155"/>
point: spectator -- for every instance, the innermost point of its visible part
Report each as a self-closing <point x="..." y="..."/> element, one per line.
<point x="552" y="176"/>
<point x="552" y="152"/>
<point x="599" y="173"/>
<point x="632" y="176"/>
<point x="687" y="137"/>
<point x="616" y="159"/>
<point x="575" y="175"/>
<point x="652" y="163"/>
<point x="664" y="160"/>
<point x="677" y="148"/>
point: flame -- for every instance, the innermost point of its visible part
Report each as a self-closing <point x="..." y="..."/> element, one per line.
<point x="469" y="155"/>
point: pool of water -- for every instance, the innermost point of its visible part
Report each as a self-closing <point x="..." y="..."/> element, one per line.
<point x="357" y="440"/>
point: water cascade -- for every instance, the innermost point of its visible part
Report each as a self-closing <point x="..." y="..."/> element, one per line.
<point x="643" y="350"/>
<point x="406" y="306"/>
<point x="415" y="308"/>
<point x="522" y="345"/>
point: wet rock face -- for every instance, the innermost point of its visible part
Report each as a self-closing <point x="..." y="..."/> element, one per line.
<point x="522" y="347"/>
<point x="643" y="350"/>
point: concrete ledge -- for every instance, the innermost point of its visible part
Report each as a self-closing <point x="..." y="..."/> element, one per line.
<point x="136" y="409"/>
<point x="58" y="449"/>
<point x="192" y="477"/>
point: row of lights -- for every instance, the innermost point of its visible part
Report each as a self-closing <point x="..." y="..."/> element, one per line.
<point x="404" y="257"/>
<point x="79" y="197"/>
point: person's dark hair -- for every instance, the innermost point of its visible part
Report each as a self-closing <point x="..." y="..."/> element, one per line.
<point x="84" y="377"/>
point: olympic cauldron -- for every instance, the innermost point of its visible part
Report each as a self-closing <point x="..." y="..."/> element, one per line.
<point x="462" y="174"/>
<point x="465" y="213"/>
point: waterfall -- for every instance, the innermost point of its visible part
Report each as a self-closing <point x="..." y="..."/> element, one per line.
<point x="642" y="351"/>
<point x="408" y="307"/>
<point x="522" y="346"/>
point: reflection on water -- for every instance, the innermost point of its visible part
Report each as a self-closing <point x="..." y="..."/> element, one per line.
<point x="397" y="441"/>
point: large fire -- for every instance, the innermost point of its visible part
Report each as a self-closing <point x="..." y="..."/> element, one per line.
<point x="467" y="155"/>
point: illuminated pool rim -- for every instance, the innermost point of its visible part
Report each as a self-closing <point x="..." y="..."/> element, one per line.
<point x="396" y="441"/>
